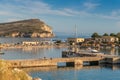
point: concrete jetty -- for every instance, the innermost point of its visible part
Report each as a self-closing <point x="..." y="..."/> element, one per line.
<point x="69" y="61"/>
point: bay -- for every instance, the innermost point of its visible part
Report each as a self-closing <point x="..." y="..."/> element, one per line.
<point x="101" y="72"/>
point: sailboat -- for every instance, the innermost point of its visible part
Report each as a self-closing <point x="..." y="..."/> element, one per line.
<point x="70" y="52"/>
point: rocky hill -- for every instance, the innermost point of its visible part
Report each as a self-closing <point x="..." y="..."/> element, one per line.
<point x="26" y="28"/>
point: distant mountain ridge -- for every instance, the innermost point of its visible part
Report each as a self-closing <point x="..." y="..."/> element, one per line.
<point x="26" y="28"/>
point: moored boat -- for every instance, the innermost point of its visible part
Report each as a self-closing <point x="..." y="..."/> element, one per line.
<point x="82" y="53"/>
<point x="2" y="53"/>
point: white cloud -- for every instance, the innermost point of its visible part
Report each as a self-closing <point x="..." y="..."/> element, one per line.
<point x="28" y="8"/>
<point x="90" y="5"/>
<point x="31" y="9"/>
<point x="114" y="15"/>
<point x="73" y="12"/>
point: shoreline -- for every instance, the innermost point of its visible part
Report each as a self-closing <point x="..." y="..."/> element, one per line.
<point x="43" y="46"/>
<point x="50" y="46"/>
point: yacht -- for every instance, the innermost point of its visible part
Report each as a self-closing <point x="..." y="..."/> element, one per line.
<point x="82" y="53"/>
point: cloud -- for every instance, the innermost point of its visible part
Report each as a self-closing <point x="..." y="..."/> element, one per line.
<point x="74" y="12"/>
<point x="90" y="5"/>
<point x="21" y="9"/>
<point x="28" y="7"/>
<point x="113" y="15"/>
<point x="18" y="9"/>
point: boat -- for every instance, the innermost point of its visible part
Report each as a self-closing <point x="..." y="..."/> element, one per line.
<point x="2" y="53"/>
<point x="82" y="53"/>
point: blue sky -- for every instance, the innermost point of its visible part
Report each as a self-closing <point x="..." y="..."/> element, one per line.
<point x="62" y="15"/>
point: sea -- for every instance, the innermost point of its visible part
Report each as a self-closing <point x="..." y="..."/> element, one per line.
<point x="101" y="72"/>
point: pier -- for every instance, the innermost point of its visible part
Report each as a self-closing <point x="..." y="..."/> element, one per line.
<point x="69" y="61"/>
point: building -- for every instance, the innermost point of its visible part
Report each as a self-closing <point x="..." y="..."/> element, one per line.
<point x="30" y="43"/>
<point x="75" y="40"/>
<point x="107" y="39"/>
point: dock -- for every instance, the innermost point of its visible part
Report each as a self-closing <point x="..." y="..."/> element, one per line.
<point x="69" y="61"/>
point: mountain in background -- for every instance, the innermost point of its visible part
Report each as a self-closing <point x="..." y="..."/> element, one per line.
<point x="26" y="28"/>
<point x="64" y="35"/>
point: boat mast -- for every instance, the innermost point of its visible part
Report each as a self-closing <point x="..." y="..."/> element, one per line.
<point x="76" y="38"/>
<point x="75" y="31"/>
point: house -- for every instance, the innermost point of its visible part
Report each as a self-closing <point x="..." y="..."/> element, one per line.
<point x="75" y="40"/>
<point x="30" y="43"/>
<point x="107" y="39"/>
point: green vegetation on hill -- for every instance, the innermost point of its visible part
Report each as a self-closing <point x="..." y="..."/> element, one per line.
<point x="95" y="35"/>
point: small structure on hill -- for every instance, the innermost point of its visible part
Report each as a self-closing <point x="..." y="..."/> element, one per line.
<point x="75" y="40"/>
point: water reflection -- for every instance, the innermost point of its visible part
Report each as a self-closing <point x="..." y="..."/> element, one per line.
<point x="112" y="51"/>
<point x="110" y="66"/>
<point x="31" y="53"/>
<point x="35" y="52"/>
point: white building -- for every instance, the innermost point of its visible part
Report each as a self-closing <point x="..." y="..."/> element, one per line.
<point x="76" y="40"/>
<point x="30" y="43"/>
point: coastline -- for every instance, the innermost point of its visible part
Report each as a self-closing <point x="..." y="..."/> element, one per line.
<point x="33" y="46"/>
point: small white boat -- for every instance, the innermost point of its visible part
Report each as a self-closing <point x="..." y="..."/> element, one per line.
<point x="94" y="51"/>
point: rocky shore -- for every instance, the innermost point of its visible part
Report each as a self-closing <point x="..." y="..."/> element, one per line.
<point x="7" y="73"/>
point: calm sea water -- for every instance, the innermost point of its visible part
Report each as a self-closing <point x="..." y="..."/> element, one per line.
<point x="63" y="73"/>
<point x="85" y="73"/>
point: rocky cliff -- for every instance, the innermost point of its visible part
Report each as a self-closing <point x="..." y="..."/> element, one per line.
<point x="26" y="28"/>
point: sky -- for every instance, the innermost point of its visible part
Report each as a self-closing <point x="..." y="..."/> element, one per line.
<point x="102" y="16"/>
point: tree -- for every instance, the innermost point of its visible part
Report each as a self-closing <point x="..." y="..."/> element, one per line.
<point x="71" y="42"/>
<point x="105" y="34"/>
<point x="95" y="35"/>
<point x="58" y="42"/>
<point x="118" y="35"/>
<point x="112" y="34"/>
